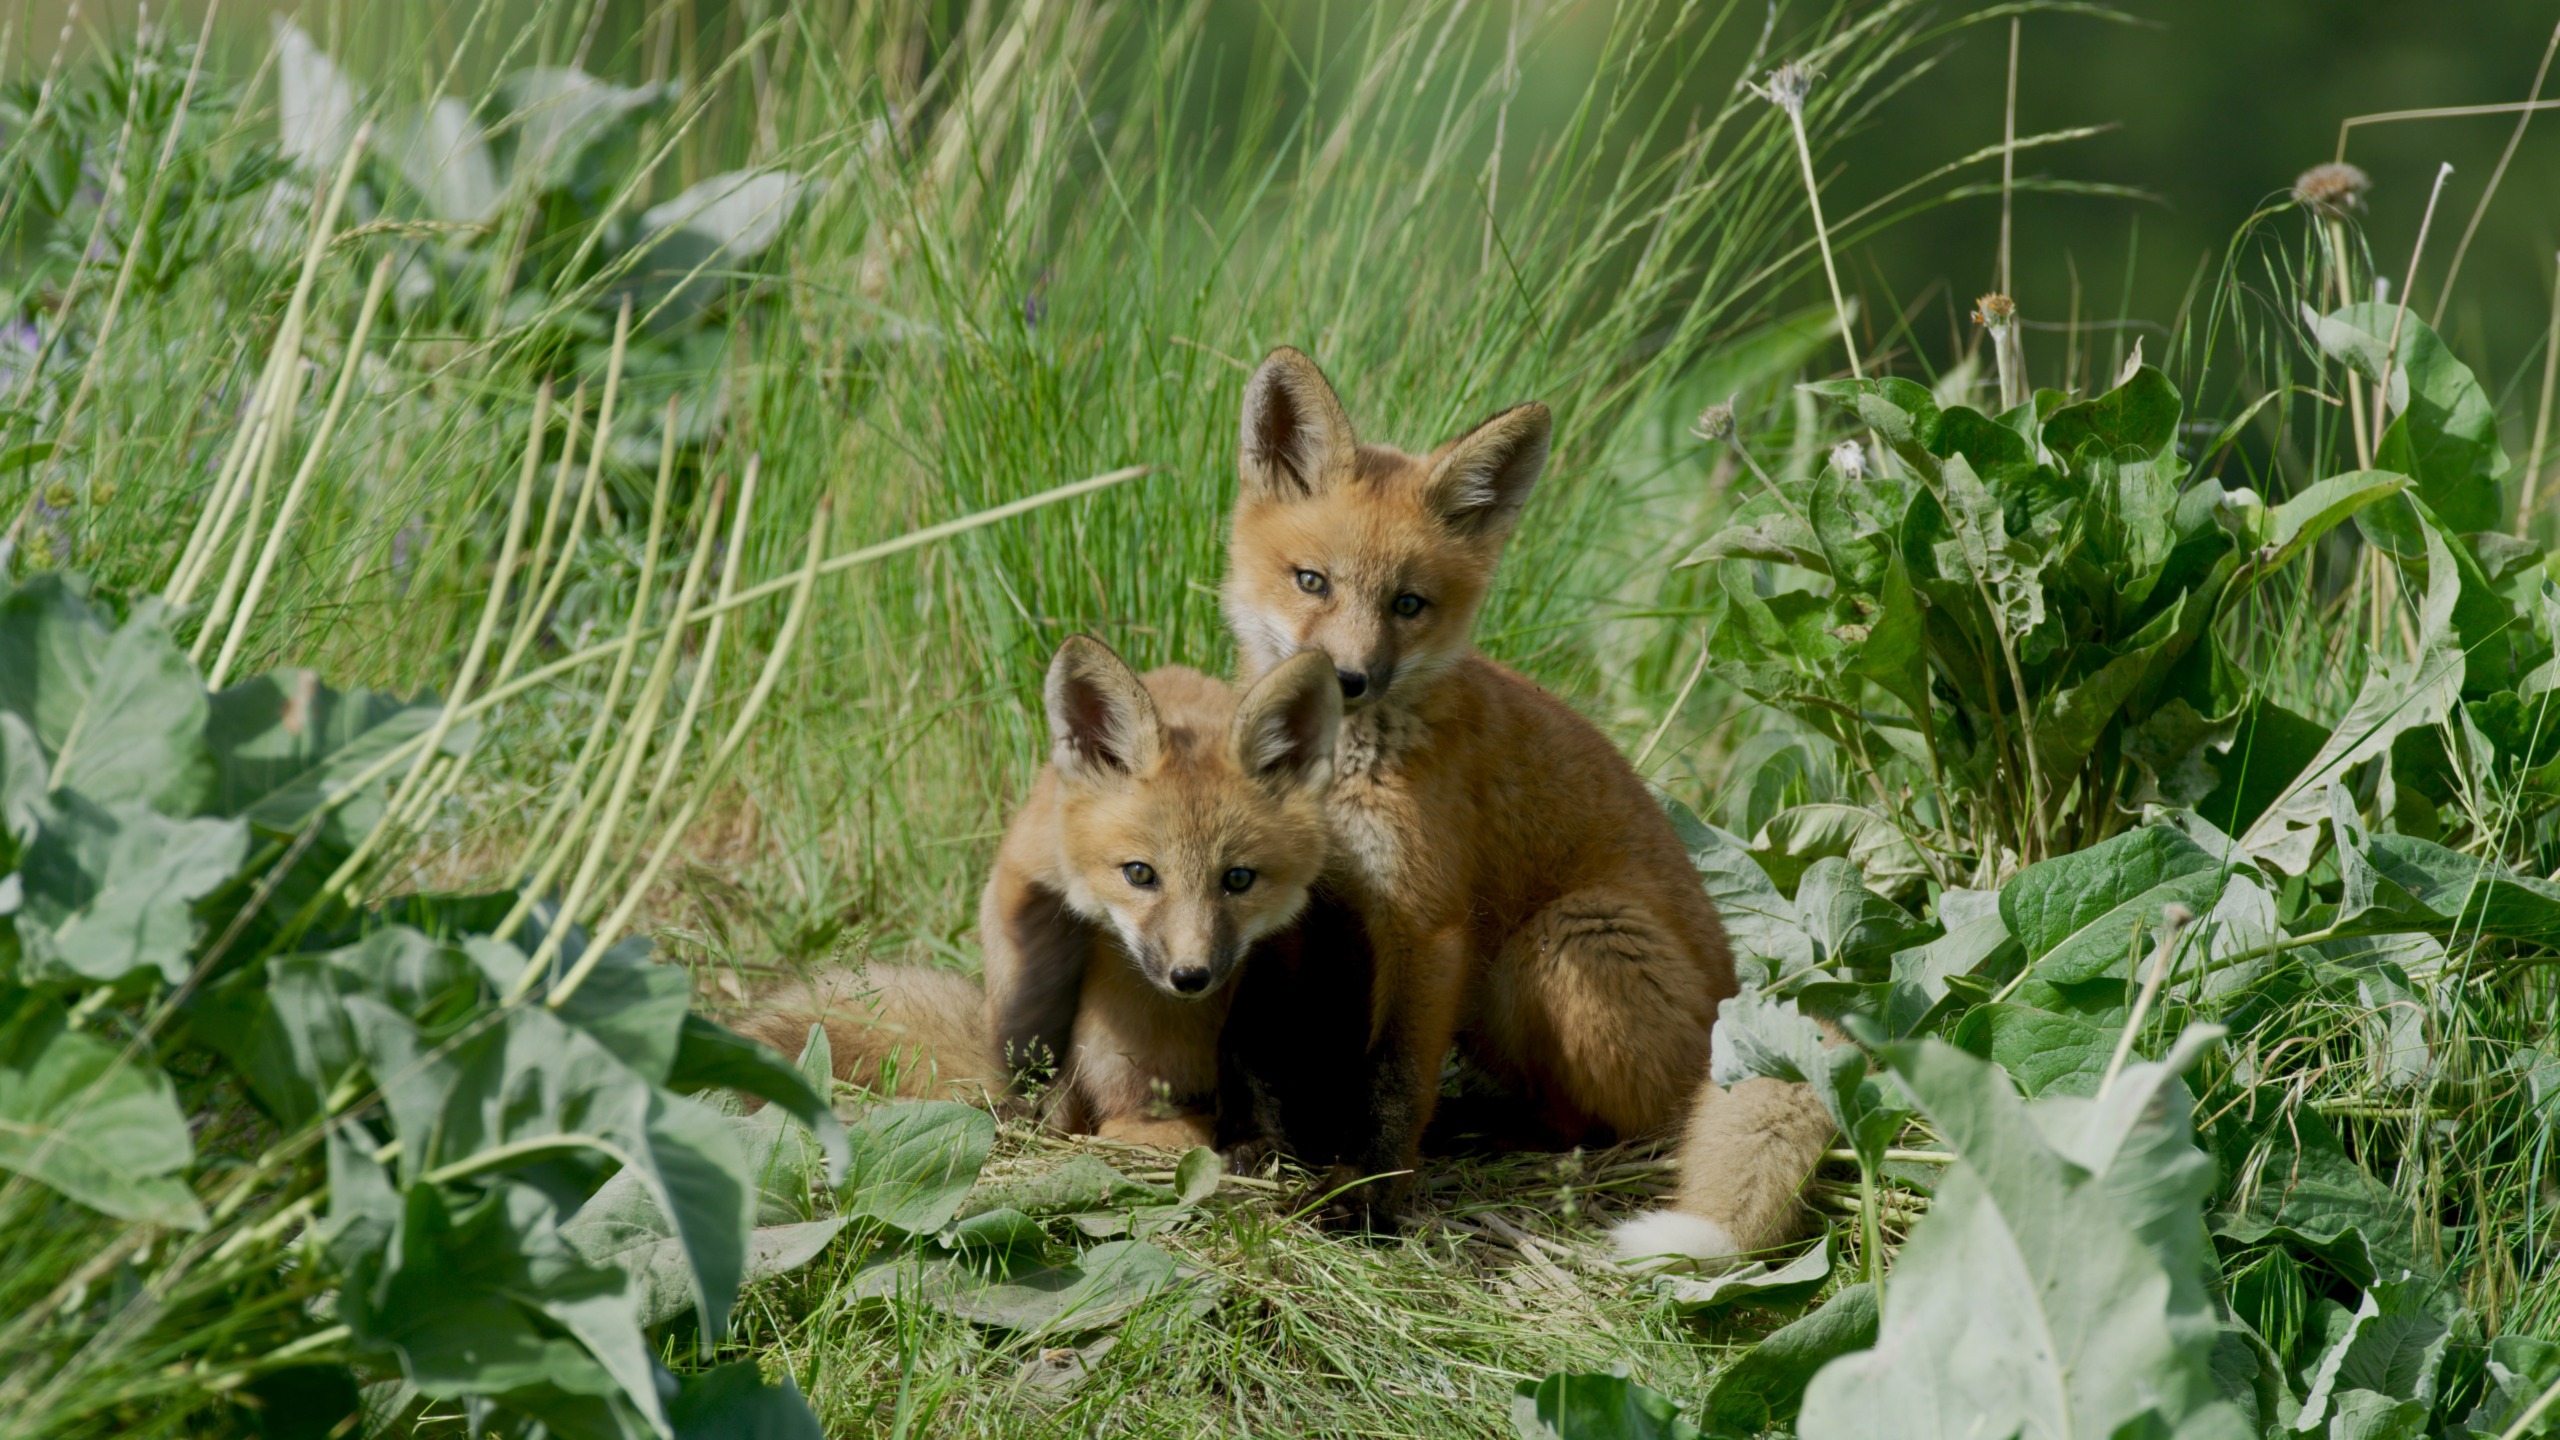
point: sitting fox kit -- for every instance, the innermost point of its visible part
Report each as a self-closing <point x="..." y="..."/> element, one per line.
<point x="1523" y="892"/>
<point x="1174" y="826"/>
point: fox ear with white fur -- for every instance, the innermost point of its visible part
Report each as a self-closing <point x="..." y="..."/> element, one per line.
<point x="1480" y="481"/>
<point x="1286" y="724"/>
<point x="1102" y="724"/>
<point x="1296" y="441"/>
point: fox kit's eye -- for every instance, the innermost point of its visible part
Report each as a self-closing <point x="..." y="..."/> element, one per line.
<point x="1140" y="874"/>
<point x="1409" y="605"/>
<point x="1238" y="880"/>
<point x="1311" y="582"/>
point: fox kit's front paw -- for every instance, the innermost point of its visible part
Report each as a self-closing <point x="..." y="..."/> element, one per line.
<point x="1350" y="1199"/>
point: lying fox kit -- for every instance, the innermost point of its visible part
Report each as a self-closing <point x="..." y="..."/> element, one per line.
<point x="1524" y="894"/>
<point x="1174" y="827"/>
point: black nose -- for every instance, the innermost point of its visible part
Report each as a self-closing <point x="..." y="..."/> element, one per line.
<point x="1190" y="979"/>
<point x="1354" y="684"/>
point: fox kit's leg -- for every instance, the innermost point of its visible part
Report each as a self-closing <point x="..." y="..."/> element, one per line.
<point x="1036" y="953"/>
<point x="1144" y="1065"/>
<point x="1421" y="993"/>
<point x="1601" y="1010"/>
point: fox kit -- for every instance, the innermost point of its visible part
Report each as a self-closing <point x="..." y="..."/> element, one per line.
<point x="1521" y="889"/>
<point x="1174" y="827"/>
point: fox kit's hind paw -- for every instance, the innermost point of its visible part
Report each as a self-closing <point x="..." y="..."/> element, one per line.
<point x="1667" y="1237"/>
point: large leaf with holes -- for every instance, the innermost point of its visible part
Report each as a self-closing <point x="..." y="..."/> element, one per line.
<point x="80" y="1115"/>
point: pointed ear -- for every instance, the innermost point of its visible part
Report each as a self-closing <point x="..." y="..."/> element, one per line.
<point x="1102" y="725"/>
<point x="1285" y="727"/>
<point x="1296" y="439"/>
<point x="1482" y="478"/>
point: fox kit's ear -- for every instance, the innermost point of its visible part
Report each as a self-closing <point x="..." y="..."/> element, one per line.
<point x="1285" y="726"/>
<point x="1102" y="725"/>
<point x="1482" y="478"/>
<point x="1296" y="438"/>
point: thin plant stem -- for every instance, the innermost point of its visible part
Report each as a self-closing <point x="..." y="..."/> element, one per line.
<point x="2542" y="412"/>
<point x="2480" y="211"/>
<point x="2400" y="316"/>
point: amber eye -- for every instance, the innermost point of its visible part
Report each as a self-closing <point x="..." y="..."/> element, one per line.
<point x="1311" y="582"/>
<point x="1409" y="605"/>
<point x="1140" y="874"/>
<point x="1238" y="880"/>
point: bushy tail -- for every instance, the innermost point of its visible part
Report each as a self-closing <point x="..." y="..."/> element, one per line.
<point x="905" y="1030"/>
<point x="1743" y="1165"/>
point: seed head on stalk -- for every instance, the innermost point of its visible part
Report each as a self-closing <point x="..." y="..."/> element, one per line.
<point x="1786" y="88"/>
<point x="1999" y="315"/>
<point x="2332" y="191"/>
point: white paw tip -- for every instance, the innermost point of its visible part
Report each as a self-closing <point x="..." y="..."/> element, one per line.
<point x="1661" y="1236"/>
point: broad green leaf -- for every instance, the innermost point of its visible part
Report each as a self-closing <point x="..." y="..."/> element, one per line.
<point x="1761" y="923"/>
<point x="1083" y="1182"/>
<point x="109" y="889"/>
<point x="120" y="712"/>
<point x="1757" y="1283"/>
<point x="285" y="744"/>
<point x="692" y="245"/>
<point x="2070" y="719"/>
<point x="24" y="779"/>
<point x="2392" y="700"/>
<point x="732" y="1402"/>
<point x="1774" y="536"/>
<point x="1595" y="1407"/>
<point x="79" y="1115"/>
<point x="1764" y="1389"/>
<point x="2318" y="508"/>
<point x="1005" y="1236"/>
<point x="1195" y="1176"/>
<point x="914" y="1161"/>
<point x="2080" y="916"/>
<point x="1795" y="838"/>
<point x="531" y="1088"/>
<point x="2444" y="434"/>
<point x="456" y="1295"/>
<point x="1849" y="924"/>
<point x="556" y="113"/>
<point x="623" y="1226"/>
<point x="1920" y="990"/>
<point x="710" y="1056"/>
<point x="2045" y="1053"/>
<point x="2036" y="1298"/>
<point x="2137" y="420"/>
<point x="2009" y="571"/>
<point x="2520" y="1369"/>
<point x="2393" y="1346"/>
<point x="2304" y="1188"/>
<point x="1100" y="1288"/>
<point x="1903" y="415"/>
<point x="1896" y="653"/>
<point x="443" y="156"/>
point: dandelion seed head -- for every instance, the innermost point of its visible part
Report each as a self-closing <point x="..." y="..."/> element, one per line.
<point x="1715" y="422"/>
<point x="1995" y="312"/>
<point x="1850" y="459"/>
<point x="1787" y="87"/>
<point x="2334" y="190"/>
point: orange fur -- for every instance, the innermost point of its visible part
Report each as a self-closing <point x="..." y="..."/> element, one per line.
<point x="1524" y="893"/>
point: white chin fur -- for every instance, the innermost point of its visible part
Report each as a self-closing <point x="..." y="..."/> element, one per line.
<point x="1661" y="1236"/>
